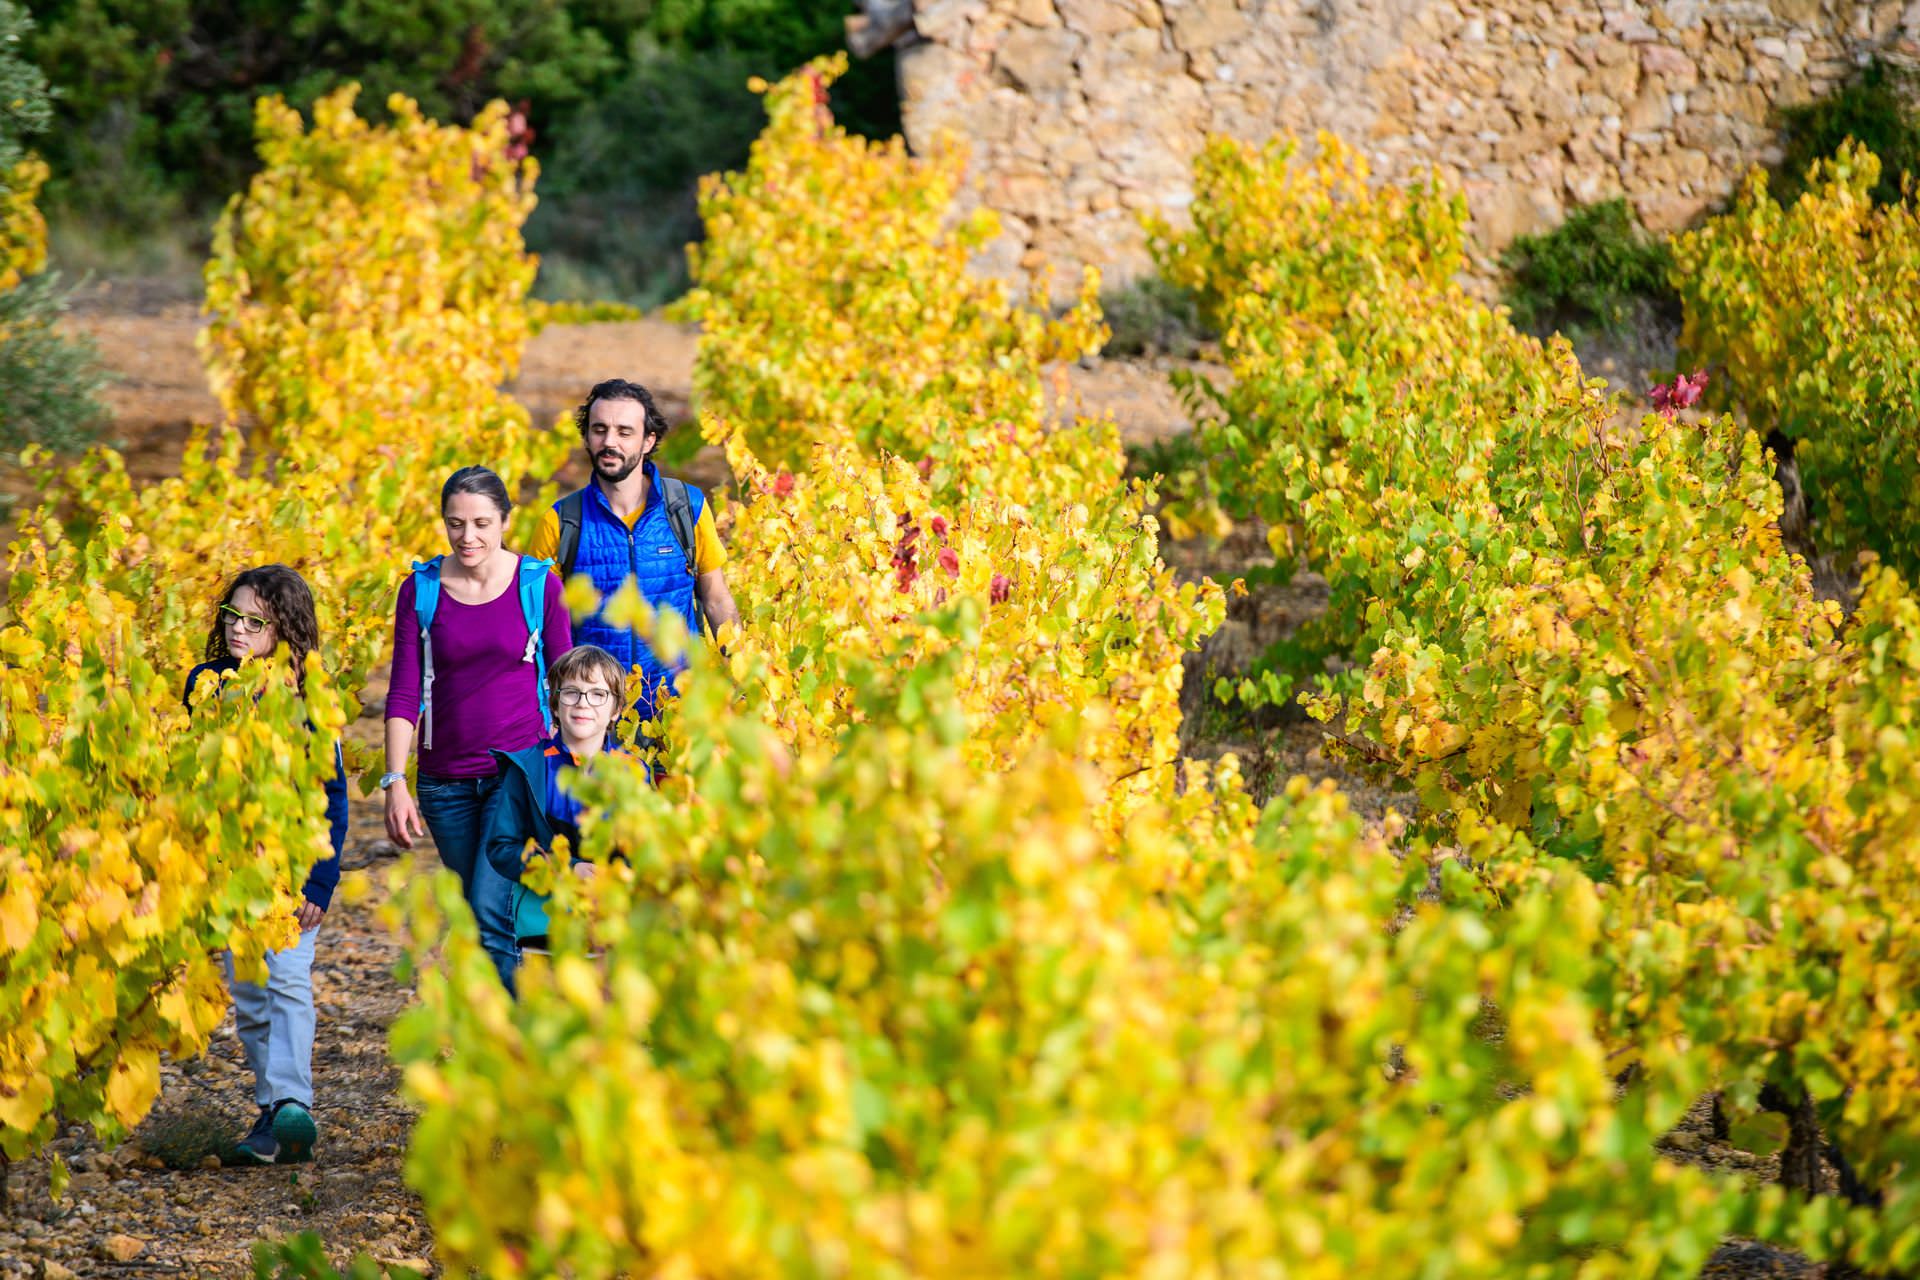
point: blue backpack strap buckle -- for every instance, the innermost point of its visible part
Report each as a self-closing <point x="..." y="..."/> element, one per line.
<point x="533" y="610"/>
<point x="426" y="601"/>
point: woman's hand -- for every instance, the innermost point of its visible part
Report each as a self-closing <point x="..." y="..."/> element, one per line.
<point x="585" y="870"/>
<point x="308" y="916"/>
<point x="404" y="824"/>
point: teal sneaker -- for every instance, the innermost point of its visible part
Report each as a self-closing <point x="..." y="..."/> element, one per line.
<point x="257" y="1147"/>
<point x="294" y="1132"/>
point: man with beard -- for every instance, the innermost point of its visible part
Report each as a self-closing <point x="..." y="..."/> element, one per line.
<point x="633" y="524"/>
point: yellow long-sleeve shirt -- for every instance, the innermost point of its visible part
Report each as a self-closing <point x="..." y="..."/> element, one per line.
<point x="708" y="551"/>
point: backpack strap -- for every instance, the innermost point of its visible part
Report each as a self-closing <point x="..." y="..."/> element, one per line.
<point x="533" y="609"/>
<point x="673" y="494"/>
<point x="426" y="602"/>
<point x="571" y="509"/>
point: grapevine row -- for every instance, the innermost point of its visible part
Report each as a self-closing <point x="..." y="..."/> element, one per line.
<point x="1806" y="312"/>
<point x="1584" y="645"/>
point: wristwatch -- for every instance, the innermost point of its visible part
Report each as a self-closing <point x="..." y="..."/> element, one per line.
<point x="388" y="779"/>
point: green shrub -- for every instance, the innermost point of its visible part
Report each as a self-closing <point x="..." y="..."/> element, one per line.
<point x="1167" y="457"/>
<point x="182" y="1138"/>
<point x="48" y="381"/>
<point x="24" y="106"/>
<point x="169" y="253"/>
<point x="1876" y="109"/>
<point x="1597" y="270"/>
<point x="1152" y="316"/>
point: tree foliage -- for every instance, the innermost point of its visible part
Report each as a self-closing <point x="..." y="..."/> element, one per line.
<point x="164" y="92"/>
<point x="630" y="103"/>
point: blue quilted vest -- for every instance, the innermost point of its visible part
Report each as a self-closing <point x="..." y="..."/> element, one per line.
<point x="610" y="553"/>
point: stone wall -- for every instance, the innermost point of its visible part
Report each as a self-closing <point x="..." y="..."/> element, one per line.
<point x="1083" y="113"/>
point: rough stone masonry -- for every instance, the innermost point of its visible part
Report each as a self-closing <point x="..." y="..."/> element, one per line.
<point x="1081" y="114"/>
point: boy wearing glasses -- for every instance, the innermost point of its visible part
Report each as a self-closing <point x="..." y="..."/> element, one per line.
<point x="532" y="802"/>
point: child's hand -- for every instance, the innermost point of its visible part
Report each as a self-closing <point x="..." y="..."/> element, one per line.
<point x="404" y="824"/>
<point x="308" y="916"/>
<point x="585" y="870"/>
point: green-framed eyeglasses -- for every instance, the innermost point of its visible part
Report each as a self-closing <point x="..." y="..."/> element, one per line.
<point x="251" y="623"/>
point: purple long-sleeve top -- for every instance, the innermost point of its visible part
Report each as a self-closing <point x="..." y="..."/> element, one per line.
<point x="485" y="696"/>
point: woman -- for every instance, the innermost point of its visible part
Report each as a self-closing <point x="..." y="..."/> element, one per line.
<point x="534" y="801"/>
<point x="261" y="610"/>
<point x="473" y="632"/>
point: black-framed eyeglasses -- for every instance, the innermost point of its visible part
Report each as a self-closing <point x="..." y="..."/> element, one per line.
<point x="251" y="623"/>
<point x="571" y="697"/>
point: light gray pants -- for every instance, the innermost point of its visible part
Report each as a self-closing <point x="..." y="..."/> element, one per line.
<point x="275" y="1022"/>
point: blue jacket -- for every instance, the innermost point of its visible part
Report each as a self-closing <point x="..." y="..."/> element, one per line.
<point x="528" y="805"/>
<point x="516" y="813"/>
<point x="610" y="553"/>
<point x="325" y="876"/>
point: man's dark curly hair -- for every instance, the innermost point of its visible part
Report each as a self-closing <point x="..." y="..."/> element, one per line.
<point x="289" y="607"/>
<point x="655" y="423"/>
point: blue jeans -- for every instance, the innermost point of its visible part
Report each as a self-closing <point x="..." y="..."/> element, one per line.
<point x="275" y="1022"/>
<point x="454" y="808"/>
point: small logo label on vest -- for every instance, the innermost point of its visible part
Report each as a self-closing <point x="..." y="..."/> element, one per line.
<point x="666" y="551"/>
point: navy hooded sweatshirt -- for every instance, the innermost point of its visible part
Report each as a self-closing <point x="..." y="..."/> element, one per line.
<point x="325" y="876"/>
